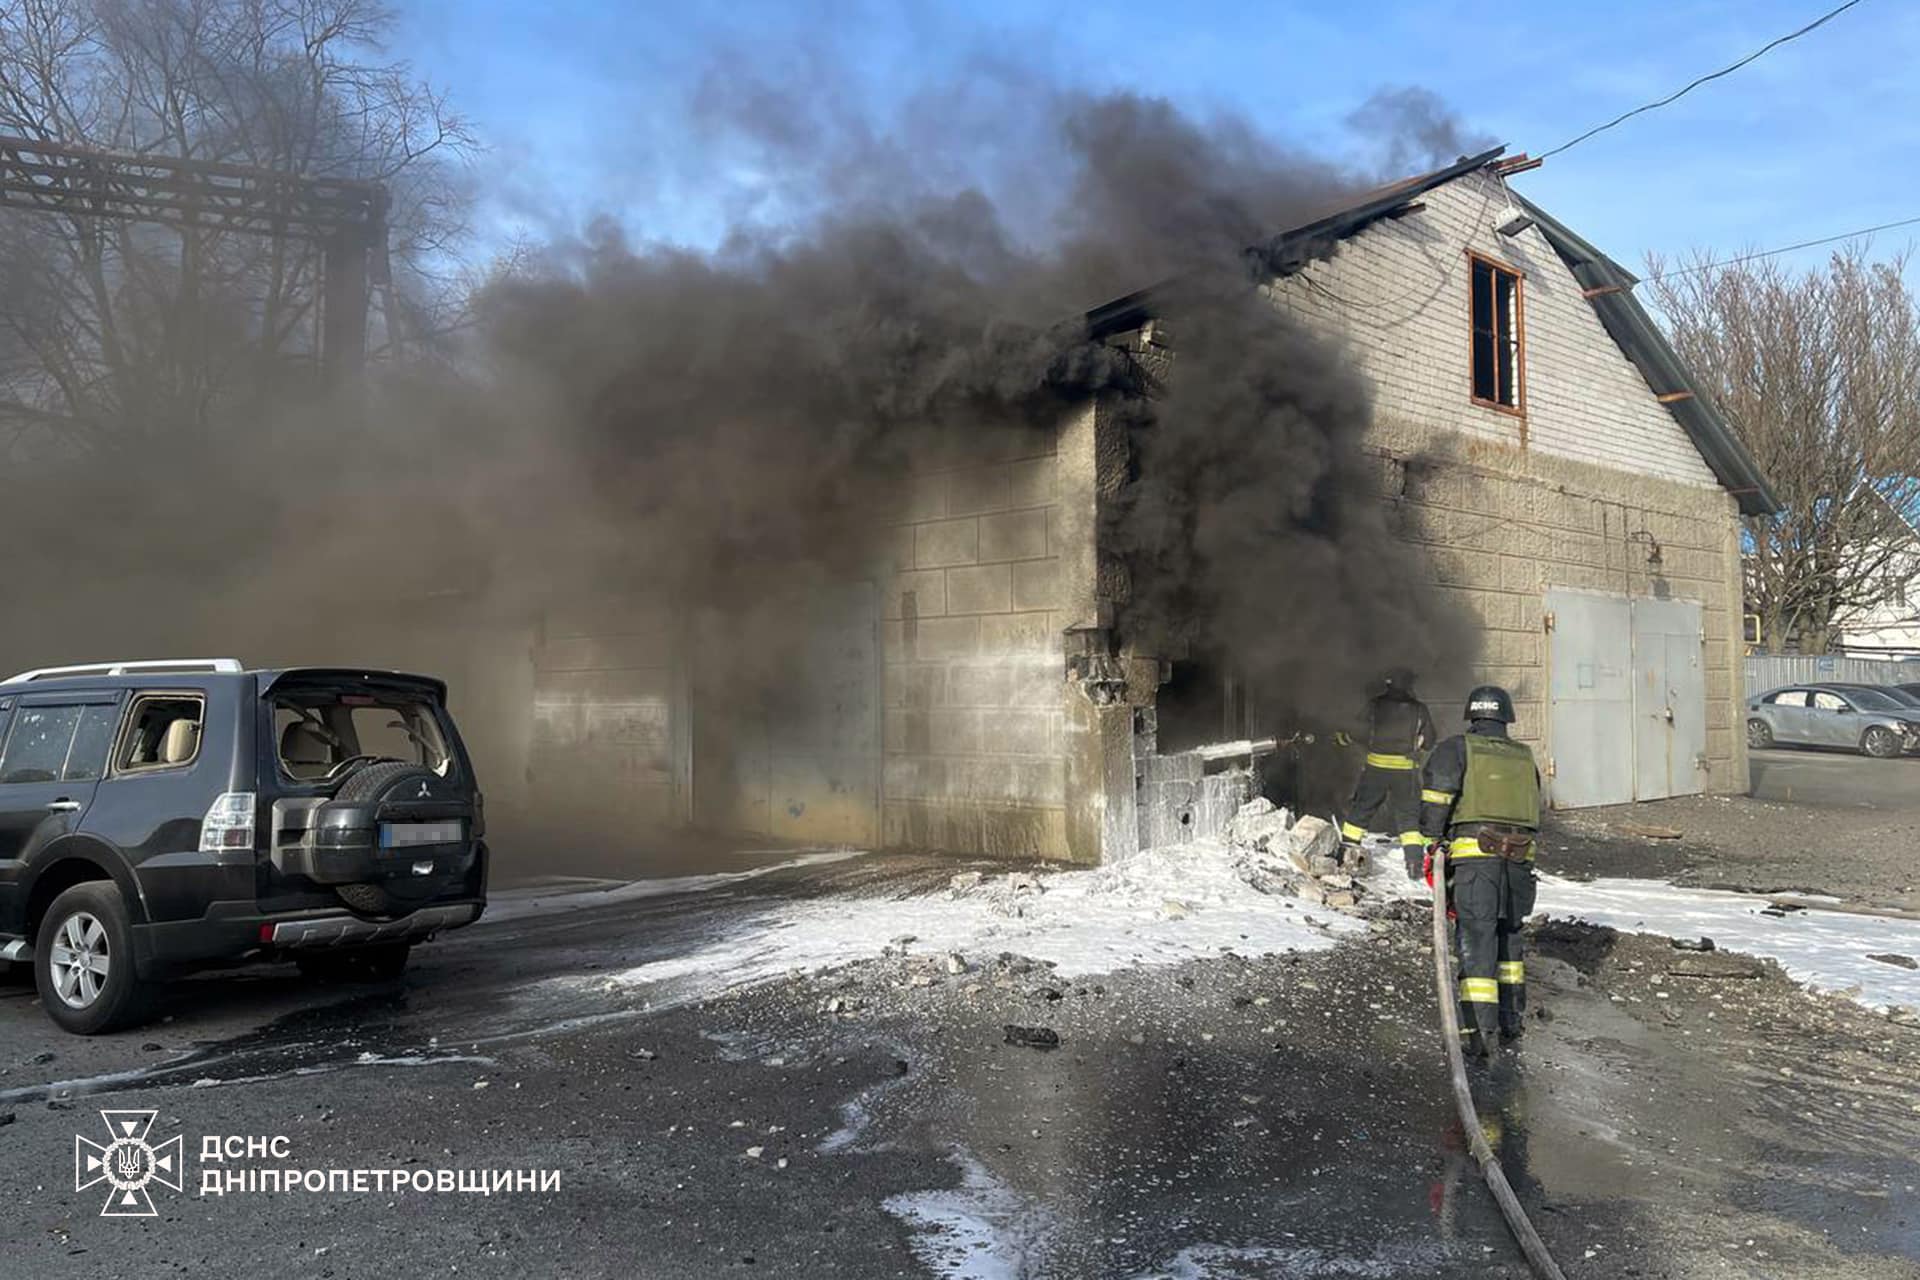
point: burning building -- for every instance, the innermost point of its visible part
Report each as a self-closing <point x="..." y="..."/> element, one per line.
<point x="1504" y="475"/>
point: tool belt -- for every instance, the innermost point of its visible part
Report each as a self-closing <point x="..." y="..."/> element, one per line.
<point x="1504" y="841"/>
<point x="1494" y="840"/>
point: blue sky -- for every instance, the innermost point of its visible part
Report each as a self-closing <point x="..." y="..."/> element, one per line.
<point x="583" y="103"/>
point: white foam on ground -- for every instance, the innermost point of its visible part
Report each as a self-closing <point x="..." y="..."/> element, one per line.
<point x="1296" y="1262"/>
<point x="980" y="1230"/>
<point x="1162" y="907"/>
<point x="1827" y="950"/>
<point x="566" y="895"/>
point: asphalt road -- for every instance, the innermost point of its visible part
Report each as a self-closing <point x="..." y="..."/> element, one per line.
<point x="1835" y="779"/>
<point x="1279" y="1117"/>
<point x="1826" y="822"/>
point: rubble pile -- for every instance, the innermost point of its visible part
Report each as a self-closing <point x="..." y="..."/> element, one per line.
<point x="1299" y="857"/>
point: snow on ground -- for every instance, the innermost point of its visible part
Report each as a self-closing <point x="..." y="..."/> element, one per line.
<point x="1161" y="907"/>
<point x="1827" y="950"/>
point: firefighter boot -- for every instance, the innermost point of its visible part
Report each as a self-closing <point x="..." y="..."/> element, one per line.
<point x="1513" y="999"/>
<point x="1476" y="1041"/>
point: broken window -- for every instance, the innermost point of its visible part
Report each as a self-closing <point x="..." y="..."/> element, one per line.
<point x="1498" y="349"/>
<point x="163" y="732"/>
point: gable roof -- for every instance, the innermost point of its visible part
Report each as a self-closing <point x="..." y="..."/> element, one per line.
<point x="1608" y="287"/>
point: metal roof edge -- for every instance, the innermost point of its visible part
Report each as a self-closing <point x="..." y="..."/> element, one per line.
<point x="1641" y="341"/>
<point x="1289" y="250"/>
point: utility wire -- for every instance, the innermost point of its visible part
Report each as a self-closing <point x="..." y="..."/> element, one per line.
<point x="1821" y="21"/>
<point x="1785" y="248"/>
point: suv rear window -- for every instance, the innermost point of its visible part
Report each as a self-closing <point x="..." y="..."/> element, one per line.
<point x="320" y="730"/>
<point x="163" y="733"/>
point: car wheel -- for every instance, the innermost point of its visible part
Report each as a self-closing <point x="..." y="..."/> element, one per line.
<point x="1759" y="735"/>
<point x="1880" y="742"/>
<point x="381" y="963"/>
<point x="83" y="962"/>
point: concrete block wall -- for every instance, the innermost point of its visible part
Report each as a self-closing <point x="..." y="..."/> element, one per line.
<point x="1565" y="494"/>
<point x="1501" y="525"/>
<point x="991" y="547"/>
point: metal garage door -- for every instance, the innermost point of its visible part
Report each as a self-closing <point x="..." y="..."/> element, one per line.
<point x="804" y="765"/>
<point x="1590" y="699"/>
<point x="1627" y="704"/>
<point x="1669" y="700"/>
<point x="606" y="751"/>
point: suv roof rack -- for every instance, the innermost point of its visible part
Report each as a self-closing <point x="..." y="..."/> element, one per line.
<point x="225" y="666"/>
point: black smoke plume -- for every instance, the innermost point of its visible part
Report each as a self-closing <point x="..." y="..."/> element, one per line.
<point x="710" y="434"/>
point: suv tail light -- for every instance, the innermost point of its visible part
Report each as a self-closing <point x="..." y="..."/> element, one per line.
<point x="229" y="823"/>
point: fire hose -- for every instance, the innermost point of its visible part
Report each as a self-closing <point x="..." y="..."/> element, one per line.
<point x="1529" y="1240"/>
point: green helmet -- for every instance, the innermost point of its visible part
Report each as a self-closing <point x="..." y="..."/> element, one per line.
<point x="1490" y="702"/>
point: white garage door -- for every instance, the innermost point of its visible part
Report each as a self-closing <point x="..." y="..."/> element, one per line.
<point x="1627" y="708"/>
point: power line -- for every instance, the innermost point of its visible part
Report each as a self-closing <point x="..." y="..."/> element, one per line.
<point x="1821" y="21"/>
<point x="1785" y="248"/>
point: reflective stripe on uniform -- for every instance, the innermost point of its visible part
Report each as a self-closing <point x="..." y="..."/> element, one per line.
<point x="1436" y="797"/>
<point x="1513" y="972"/>
<point x="1479" y="991"/>
<point x="1350" y="832"/>
<point x="1412" y="838"/>
<point x="1381" y="761"/>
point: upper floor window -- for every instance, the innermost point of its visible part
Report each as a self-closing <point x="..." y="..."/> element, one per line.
<point x="1499" y="347"/>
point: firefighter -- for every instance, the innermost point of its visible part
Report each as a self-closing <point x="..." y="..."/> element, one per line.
<point x="1388" y="793"/>
<point x="1481" y="794"/>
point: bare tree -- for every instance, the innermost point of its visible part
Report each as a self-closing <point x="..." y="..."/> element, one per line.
<point x="1819" y="372"/>
<point x="115" y="331"/>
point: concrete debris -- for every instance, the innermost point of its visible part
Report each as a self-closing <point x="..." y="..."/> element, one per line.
<point x="1313" y="839"/>
<point x="1032" y="1037"/>
<point x="956" y="963"/>
<point x="1008" y="895"/>
<point x="1647" y="832"/>
<point x="1336" y="881"/>
<point x="1717" y="966"/>
<point x="1260" y="826"/>
<point x="1691" y="944"/>
<point x="1899" y="961"/>
<point x="753" y="1153"/>
<point x="1174" y="909"/>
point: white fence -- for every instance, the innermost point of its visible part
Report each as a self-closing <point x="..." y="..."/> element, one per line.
<point x="1770" y="671"/>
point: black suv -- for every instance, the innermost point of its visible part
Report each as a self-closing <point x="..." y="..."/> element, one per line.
<point x="159" y="816"/>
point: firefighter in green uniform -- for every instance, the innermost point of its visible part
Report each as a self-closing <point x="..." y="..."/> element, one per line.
<point x="1388" y="792"/>
<point x="1481" y="794"/>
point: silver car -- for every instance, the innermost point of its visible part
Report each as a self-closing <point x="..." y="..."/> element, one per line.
<point x="1816" y="715"/>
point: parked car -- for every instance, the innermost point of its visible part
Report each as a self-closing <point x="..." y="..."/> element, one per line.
<point x="160" y="816"/>
<point x="1902" y="696"/>
<point x="1857" y="717"/>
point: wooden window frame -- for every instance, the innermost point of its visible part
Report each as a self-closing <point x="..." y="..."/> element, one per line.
<point x="1518" y="409"/>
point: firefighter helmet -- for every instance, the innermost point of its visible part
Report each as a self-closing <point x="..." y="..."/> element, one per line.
<point x="1397" y="680"/>
<point x="1490" y="702"/>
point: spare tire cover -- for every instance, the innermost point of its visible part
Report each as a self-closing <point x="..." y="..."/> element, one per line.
<point x="383" y="780"/>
